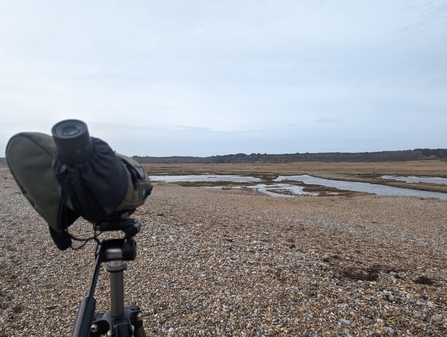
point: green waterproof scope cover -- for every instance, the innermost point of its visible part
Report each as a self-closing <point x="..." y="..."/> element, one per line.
<point x="30" y="157"/>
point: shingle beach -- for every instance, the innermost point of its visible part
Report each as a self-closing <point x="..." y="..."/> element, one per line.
<point x="227" y="262"/>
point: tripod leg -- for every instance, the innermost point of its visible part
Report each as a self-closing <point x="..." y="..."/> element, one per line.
<point x="140" y="333"/>
<point x="84" y="317"/>
<point x="87" y="308"/>
<point x="136" y="318"/>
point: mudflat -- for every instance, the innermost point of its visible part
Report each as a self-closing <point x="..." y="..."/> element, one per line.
<point x="235" y="262"/>
<point x="362" y="172"/>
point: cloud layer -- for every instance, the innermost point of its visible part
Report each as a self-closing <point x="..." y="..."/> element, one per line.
<point x="172" y="78"/>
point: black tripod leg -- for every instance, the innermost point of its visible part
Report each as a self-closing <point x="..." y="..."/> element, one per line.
<point x="87" y="309"/>
<point x="84" y="317"/>
<point x="136" y="318"/>
<point x="140" y="332"/>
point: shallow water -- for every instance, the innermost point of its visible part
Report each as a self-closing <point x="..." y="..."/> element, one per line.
<point x="413" y="179"/>
<point x="363" y="187"/>
<point x="293" y="190"/>
<point x="205" y="178"/>
<point x="269" y="189"/>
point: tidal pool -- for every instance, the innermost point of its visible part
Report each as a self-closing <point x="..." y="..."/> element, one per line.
<point x="280" y="188"/>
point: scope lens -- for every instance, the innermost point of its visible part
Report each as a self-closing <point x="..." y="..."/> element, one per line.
<point x="70" y="130"/>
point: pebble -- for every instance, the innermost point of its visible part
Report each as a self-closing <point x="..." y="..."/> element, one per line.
<point x="438" y="319"/>
<point x="188" y="282"/>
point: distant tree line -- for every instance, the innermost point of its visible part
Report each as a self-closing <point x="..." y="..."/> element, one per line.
<point x="406" y="155"/>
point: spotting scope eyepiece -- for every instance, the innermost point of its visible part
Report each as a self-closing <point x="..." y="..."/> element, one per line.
<point x="72" y="141"/>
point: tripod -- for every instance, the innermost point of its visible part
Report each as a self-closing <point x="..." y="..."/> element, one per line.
<point x="119" y="321"/>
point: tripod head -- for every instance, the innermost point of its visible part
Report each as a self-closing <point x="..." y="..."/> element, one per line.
<point x="127" y="225"/>
<point x="118" y="249"/>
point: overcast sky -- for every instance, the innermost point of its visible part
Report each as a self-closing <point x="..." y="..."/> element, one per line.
<point x="202" y="78"/>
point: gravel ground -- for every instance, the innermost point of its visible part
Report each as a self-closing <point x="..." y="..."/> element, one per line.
<point x="238" y="263"/>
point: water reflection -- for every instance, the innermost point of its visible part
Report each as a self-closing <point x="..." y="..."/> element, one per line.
<point x="280" y="188"/>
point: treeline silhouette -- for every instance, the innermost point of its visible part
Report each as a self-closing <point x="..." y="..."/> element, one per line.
<point x="406" y="155"/>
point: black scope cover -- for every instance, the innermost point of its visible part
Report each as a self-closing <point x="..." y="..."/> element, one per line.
<point x="72" y="141"/>
<point x="95" y="187"/>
